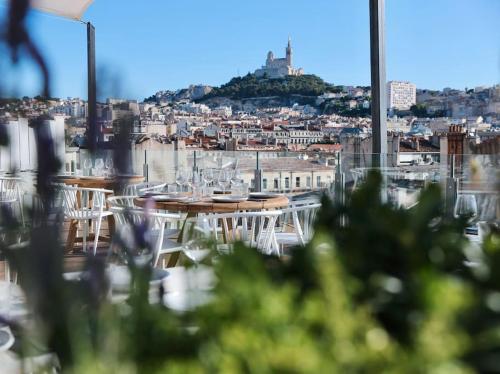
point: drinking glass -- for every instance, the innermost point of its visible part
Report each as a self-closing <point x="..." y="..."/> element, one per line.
<point x="99" y="165"/>
<point x="188" y="180"/>
<point x="466" y="207"/>
<point x="182" y="179"/>
<point x="208" y="176"/>
<point x="109" y="166"/>
<point x="197" y="184"/>
<point x="224" y="180"/>
<point x="241" y="190"/>
<point x="193" y="238"/>
<point x="236" y="179"/>
<point x="195" y="251"/>
<point x="172" y="188"/>
<point x="87" y="165"/>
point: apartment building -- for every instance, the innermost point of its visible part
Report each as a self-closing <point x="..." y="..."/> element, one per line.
<point x="401" y="95"/>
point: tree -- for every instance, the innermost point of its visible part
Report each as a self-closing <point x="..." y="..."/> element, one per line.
<point x="419" y="110"/>
<point x="252" y="86"/>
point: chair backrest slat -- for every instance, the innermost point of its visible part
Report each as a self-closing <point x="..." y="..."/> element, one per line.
<point x="126" y="217"/>
<point x="302" y="215"/>
<point x="143" y="188"/>
<point x="79" y="202"/>
<point x="256" y="229"/>
<point x="126" y="201"/>
<point x="10" y="189"/>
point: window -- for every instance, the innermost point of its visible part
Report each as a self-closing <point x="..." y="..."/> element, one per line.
<point x="252" y="183"/>
<point x="276" y="184"/>
<point x="308" y="182"/>
<point x="297" y="182"/>
<point x="318" y="181"/>
<point x="264" y="184"/>
<point x="287" y="183"/>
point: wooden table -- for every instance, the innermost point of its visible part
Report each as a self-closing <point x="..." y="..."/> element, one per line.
<point x="209" y="206"/>
<point x="102" y="182"/>
<point x="96" y="182"/>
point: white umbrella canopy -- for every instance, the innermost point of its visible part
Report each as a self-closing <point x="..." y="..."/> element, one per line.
<point x="73" y="9"/>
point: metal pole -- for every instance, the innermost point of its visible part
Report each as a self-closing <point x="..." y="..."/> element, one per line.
<point x="378" y="81"/>
<point x="94" y="133"/>
<point x="452" y="186"/>
<point x="145" y="170"/>
<point x="339" y="194"/>
<point x="258" y="175"/>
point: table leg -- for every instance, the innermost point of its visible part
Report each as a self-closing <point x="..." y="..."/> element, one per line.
<point x="111" y="226"/>
<point x="174" y="257"/>
<point x="70" y="242"/>
<point x="181" y="233"/>
<point x="73" y="228"/>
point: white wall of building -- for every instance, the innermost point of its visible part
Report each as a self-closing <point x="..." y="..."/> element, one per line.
<point x="401" y="95"/>
<point x="21" y="152"/>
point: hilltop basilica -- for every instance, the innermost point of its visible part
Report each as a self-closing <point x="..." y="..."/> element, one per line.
<point x="279" y="67"/>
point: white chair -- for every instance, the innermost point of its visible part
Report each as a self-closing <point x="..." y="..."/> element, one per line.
<point x="128" y="202"/>
<point x="10" y="193"/>
<point x="122" y="201"/>
<point x="255" y="229"/>
<point x="140" y="189"/>
<point x="86" y="205"/>
<point x="158" y="227"/>
<point x="296" y="227"/>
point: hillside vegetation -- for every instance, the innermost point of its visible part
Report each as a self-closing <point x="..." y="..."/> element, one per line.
<point x="251" y="86"/>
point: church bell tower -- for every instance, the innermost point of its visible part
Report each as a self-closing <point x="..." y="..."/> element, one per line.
<point x="289" y="52"/>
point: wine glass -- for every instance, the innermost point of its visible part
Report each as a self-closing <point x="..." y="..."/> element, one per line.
<point x="197" y="184"/>
<point x="236" y="179"/>
<point x="224" y="180"/>
<point x="208" y="176"/>
<point x="99" y="165"/>
<point x="182" y="179"/>
<point x="193" y="238"/>
<point x="109" y="165"/>
<point x="87" y="165"/>
<point x="466" y="207"/>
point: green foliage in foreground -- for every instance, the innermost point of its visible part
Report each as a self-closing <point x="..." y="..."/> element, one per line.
<point x="251" y="86"/>
<point x="385" y="292"/>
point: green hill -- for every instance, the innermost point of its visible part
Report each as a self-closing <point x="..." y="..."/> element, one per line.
<point x="250" y="86"/>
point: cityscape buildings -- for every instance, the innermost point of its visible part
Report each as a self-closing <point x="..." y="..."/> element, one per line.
<point x="336" y="120"/>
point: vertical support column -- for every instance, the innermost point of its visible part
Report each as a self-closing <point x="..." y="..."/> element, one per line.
<point x="452" y="186"/>
<point x="145" y="169"/>
<point x="176" y="158"/>
<point x="339" y="193"/>
<point x="258" y="176"/>
<point x="93" y="132"/>
<point x="378" y="82"/>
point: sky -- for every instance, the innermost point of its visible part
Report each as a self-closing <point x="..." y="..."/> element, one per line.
<point x="144" y="46"/>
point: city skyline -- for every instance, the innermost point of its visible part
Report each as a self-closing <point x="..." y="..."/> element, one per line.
<point x="446" y="44"/>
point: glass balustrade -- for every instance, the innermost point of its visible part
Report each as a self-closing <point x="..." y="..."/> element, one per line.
<point x="299" y="173"/>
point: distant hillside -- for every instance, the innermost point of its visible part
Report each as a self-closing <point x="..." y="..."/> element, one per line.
<point x="193" y="92"/>
<point x="250" y="86"/>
